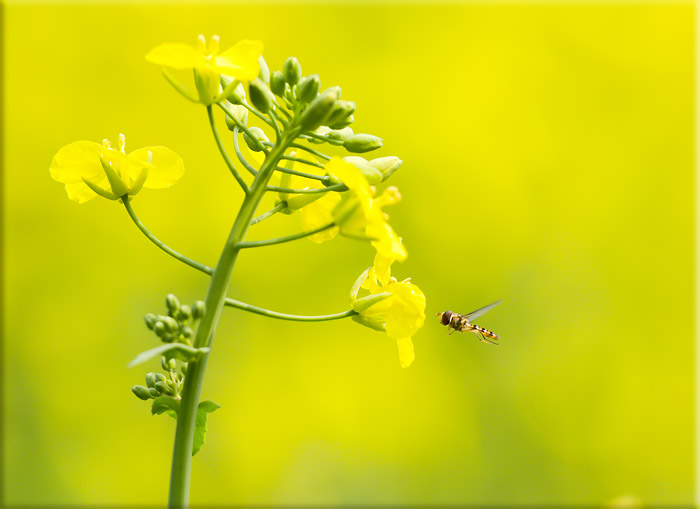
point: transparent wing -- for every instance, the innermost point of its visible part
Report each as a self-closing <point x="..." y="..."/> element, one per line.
<point x="482" y="311"/>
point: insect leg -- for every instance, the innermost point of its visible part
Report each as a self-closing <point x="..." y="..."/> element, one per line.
<point x="483" y="339"/>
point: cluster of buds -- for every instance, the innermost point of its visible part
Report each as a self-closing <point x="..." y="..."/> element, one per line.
<point x="177" y="325"/>
<point x="159" y="384"/>
<point x="323" y="113"/>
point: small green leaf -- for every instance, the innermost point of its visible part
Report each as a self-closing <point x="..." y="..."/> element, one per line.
<point x="165" y="404"/>
<point x="200" y="426"/>
<point x="170" y="351"/>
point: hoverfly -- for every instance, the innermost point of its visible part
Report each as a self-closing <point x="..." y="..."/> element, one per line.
<point x="461" y="323"/>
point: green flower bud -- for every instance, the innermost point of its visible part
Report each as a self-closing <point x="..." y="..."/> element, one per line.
<point x="373" y="175"/>
<point x="386" y="165"/>
<point x="292" y="71"/>
<point x="338" y="91"/>
<point x="172" y="302"/>
<point x="308" y="88"/>
<point x="170" y="324"/>
<point x="277" y="84"/>
<point x="155" y="393"/>
<point x="236" y="95"/>
<point x="344" y="123"/>
<point x="340" y="135"/>
<point x="198" y="310"/>
<point x="289" y="95"/>
<point x="159" y="329"/>
<point x="260" y="95"/>
<point x="164" y="388"/>
<point x="264" y="70"/>
<point x="185" y="313"/>
<point x="151" y="380"/>
<point x="187" y="332"/>
<point x="151" y="320"/>
<point x="167" y="364"/>
<point x="160" y="377"/>
<point x="362" y="143"/>
<point x="341" y="110"/>
<point x="141" y="392"/>
<point x="167" y="338"/>
<point x="240" y="112"/>
<point x="317" y="112"/>
<point x="259" y="135"/>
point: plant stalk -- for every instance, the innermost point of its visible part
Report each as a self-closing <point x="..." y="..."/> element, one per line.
<point x="214" y="303"/>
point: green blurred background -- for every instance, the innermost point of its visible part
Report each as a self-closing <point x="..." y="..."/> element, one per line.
<point x="548" y="162"/>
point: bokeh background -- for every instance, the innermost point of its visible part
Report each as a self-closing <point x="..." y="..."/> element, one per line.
<point x="548" y="162"/>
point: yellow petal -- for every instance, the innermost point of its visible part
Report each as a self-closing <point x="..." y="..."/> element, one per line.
<point x="77" y="160"/>
<point x="406" y="354"/>
<point x="176" y="56"/>
<point x="388" y="244"/>
<point x="404" y="311"/>
<point x="240" y="61"/>
<point x="348" y="174"/>
<point x="319" y="213"/>
<point x="79" y="192"/>
<point x="165" y="169"/>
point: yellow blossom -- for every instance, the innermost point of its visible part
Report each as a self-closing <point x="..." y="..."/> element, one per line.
<point x="88" y="168"/>
<point x="397" y="307"/>
<point x="360" y="215"/>
<point x="240" y="62"/>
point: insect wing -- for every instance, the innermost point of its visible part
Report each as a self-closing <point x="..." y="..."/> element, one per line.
<point x="481" y="311"/>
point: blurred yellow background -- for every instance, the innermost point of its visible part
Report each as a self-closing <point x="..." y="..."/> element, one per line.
<point x="548" y="162"/>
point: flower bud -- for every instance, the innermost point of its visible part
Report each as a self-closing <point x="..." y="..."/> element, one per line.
<point x="292" y="71"/>
<point x="160" y="377"/>
<point x="170" y="324"/>
<point x="172" y="302"/>
<point x="317" y="112"/>
<point x="167" y="364"/>
<point x="362" y="143"/>
<point x="185" y="313"/>
<point x="155" y="393"/>
<point x="344" y="123"/>
<point x="239" y="112"/>
<point x="340" y="135"/>
<point x="187" y="331"/>
<point x="341" y="110"/>
<point x="198" y="310"/>
<point x="150" y="320"/>
<point x="373" y="175"/>
<point x="164" y="388"/>
<point x="277" y="84"/>
<point x="167" y="338"/>
<point x="308" y="88"/>
<point x="386" y="165"/>
<point x="159" y="329"/>
<point x="237" y="94"/>
<point x="264" y="70"/>
<point x="260" y="95"/>
<point x="141" y="392"/>
<point x="338" y="91"/>
<point x="151" y="380"/>
<point x="259" y="135"/>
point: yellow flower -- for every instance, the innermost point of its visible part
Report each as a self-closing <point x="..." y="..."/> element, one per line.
<point x="397" y="307"/>
<point x="360" y="215"/>
<point x="240" y="62"/>
<point x="88" y="168"/>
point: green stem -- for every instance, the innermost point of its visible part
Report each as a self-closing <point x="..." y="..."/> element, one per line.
<point x="322" y="178"/>
<point x="160" y="244"/>
<point x="214" y="303"/>
<point x="284" y="316"/>
<point x="304" y="161"/>
<point x="281" y="240"/>
<point x="244" y="128"/>
<point x="208" y="270"/>
<point x="337" y="187"/>
<point x="274" y="210"/>
<point x="239" y="155"/>
<point x="222" y="149"/>
<point x="312" y="151"/>
<point x="325" y="139"/>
